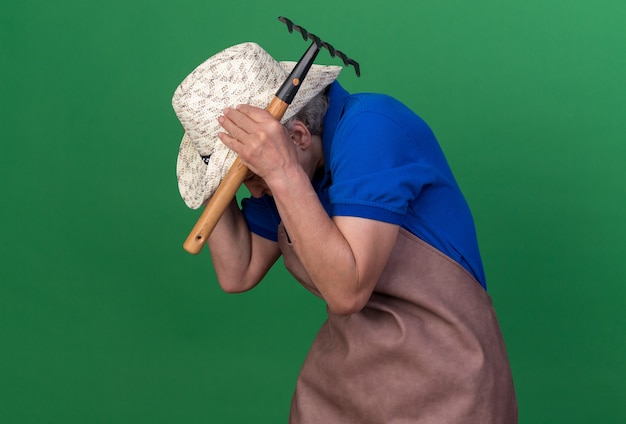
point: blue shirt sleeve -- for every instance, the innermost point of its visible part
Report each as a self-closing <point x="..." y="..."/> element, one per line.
<point x="377" y="169"/>
<point x="262" y="216"/>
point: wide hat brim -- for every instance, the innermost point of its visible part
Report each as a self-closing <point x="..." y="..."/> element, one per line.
<point x="242" y="74"/>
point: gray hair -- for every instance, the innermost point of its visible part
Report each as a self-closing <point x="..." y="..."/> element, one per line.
<point x="312" y="114"/>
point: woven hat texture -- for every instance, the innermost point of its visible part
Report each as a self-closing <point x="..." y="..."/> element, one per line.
<point x="241" y="74"/>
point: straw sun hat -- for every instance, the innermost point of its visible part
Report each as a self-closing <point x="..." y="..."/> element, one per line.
<point x="242" y="74"/>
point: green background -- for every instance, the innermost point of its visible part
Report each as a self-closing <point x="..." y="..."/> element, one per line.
<point x="105" y="319"/>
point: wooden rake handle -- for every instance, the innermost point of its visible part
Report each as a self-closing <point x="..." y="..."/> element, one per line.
<point x="225" y="192"/>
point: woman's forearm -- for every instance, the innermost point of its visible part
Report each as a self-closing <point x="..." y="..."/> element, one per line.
<point x="240" y="259"/>
<point x="321" y="247"/>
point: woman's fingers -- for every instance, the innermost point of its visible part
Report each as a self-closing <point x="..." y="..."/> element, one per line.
<point x="235" y="123"/>
<point x="246" y="117"/>
<point x="254" y="113"/>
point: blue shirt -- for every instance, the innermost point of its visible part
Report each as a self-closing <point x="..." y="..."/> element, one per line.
<point x="382" y="162"/>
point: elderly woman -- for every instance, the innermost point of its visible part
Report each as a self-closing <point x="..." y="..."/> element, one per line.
<point x="355" y="193"/>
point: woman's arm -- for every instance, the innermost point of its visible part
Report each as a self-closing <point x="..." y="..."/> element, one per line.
<point x="240" y="258"/>
<point x="344" y="256"/>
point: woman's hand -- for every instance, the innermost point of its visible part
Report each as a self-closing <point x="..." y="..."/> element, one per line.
<point x="261" y="141"/>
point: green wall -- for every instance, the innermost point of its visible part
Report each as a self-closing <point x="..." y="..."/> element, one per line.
<point x="105" y="319"/>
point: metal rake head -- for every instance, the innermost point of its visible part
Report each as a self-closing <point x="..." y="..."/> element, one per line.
<point x="306" y="35"/>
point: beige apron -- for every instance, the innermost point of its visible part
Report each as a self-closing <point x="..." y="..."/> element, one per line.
<point x="427" y="348"/>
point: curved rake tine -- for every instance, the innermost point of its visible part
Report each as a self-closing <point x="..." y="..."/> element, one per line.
<point x="306" y="35"/>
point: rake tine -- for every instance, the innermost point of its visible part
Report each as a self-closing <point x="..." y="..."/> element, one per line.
<point x="321" y="44"/>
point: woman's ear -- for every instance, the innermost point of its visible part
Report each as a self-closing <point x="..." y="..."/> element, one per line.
<point x="300" y="135"/>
